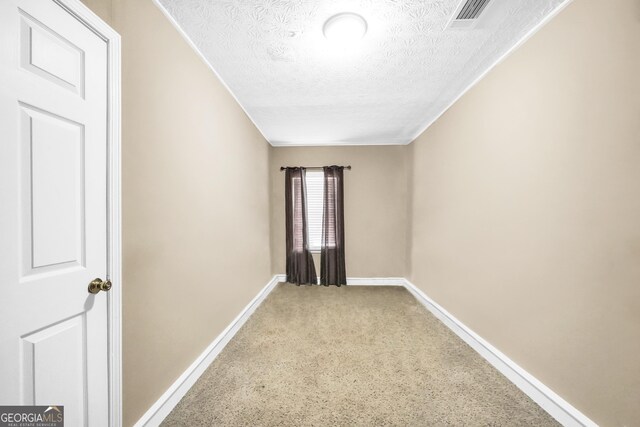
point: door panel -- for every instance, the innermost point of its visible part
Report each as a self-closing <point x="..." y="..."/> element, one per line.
<point x="53" y="229"/>
<point x="48" y="376"/>
<point x="53" y="191"/>
<point x="50" y="55"/>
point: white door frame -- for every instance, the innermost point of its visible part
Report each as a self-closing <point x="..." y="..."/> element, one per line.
<point x="114" y="250"/>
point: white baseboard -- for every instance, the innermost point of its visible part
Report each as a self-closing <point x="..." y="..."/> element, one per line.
<point x="375" y="281"/>
<point x="165" y="404"/>
<point x="366" y="281"/>
<point x="556" y="406"/>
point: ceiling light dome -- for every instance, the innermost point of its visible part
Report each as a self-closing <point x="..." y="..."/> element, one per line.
<point x="345" y="27"/>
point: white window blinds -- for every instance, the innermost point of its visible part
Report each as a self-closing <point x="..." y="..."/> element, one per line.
<point x="315" y="206"/>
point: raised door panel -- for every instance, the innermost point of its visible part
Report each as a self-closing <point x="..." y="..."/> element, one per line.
<point x="54" y="366"/>
<point x="53" y="191"/>
<point x="50" y="55"/>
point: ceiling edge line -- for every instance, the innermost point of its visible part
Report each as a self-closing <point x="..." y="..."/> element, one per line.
<point x="193" y="46"/>
<point x="502" y="57"/>
<point x="337" y="144"/>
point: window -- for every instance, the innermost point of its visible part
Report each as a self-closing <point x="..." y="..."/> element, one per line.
<point x="315" y="210"/>
<point x="315" y="206"/>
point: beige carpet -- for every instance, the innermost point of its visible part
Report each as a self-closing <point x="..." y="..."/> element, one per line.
<point x="321" y="356"/>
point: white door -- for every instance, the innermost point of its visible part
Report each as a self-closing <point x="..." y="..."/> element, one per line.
<point x="53" y="204"/>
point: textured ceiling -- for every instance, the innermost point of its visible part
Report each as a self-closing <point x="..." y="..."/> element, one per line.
<point x="299" y="89"/>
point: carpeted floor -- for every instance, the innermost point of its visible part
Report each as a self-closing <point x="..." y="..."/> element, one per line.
<point x="351" y="356"/>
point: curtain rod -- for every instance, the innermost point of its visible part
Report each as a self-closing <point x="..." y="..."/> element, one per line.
<point x="313" y="167"/>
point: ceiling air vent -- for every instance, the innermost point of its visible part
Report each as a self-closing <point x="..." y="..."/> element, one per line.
<point x="472" y="9"/>
<point x="467" y="13"/>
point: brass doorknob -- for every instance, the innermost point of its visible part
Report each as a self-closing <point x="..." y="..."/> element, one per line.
<point x="98" y="285"/>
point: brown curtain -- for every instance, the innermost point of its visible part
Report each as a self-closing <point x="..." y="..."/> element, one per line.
<point x="332" y="270"/>
<point x="300" y="267"/>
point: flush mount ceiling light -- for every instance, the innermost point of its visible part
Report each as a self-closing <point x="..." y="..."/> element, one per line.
<point x="347" y="27"/>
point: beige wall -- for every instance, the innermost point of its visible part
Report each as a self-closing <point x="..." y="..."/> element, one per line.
<point x="195" y="204"/>
<point x="526" y="218"/>
<point x="375" y="205"/>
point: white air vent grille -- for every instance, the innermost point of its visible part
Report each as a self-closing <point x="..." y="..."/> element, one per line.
<point x="472" y="9"/>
